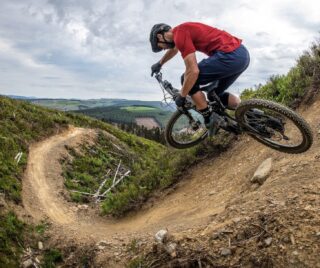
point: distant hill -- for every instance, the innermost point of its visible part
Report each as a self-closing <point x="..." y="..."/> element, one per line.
<point x="18" y="97"/>
<point x="77" y="104"/>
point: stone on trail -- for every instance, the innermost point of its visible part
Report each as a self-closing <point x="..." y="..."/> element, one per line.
<point x="102" y="244"/>
<point x="161" y="236"/>
<point x="262" y="172"/>
<point x="171" y="249"/>
<point x="268" y="241"/>
<point x="40" y="245"/>
<point x="225" y="251"/>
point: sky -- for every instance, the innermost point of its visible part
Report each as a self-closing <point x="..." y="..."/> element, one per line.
<point x="100" y="48"/>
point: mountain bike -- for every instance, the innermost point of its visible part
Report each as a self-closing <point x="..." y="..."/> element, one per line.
<point x="268" y="122"/>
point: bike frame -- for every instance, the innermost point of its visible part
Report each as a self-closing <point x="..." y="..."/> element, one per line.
<point x="215" y="106"/>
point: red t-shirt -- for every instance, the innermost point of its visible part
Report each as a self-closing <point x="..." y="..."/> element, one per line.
<point x="193" y="36"/>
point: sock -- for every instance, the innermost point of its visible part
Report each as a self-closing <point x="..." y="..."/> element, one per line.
<point x="206" y="114"/>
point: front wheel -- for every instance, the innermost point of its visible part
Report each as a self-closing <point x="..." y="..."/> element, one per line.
<point x="274" y="125"/>
<point x="185" y="129"/>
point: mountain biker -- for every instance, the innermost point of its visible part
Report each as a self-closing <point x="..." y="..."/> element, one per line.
<point x="227" y="59"/>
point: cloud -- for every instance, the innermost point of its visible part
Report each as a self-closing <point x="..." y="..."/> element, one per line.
<point x="87" y="48"/>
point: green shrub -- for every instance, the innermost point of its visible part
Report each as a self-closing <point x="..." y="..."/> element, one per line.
<point x="51" y="258"/>
<point x="301" y="81"/>
<point x="11" y="237"/>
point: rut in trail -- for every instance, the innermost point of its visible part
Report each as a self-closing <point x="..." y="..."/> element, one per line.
<point x="211" y="187"/>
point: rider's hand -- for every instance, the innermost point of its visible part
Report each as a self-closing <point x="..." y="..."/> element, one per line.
<point x="155" y="68"/>
<point x="180" y="101"/>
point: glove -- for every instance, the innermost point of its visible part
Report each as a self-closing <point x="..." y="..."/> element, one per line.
<point x="155" y="68"/>
<point x="180" y="101"/>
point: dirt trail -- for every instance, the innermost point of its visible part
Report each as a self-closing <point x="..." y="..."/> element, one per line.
<point x="212" y="186"/>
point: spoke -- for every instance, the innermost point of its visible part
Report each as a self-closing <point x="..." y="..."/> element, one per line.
<point x="189" y="128"/>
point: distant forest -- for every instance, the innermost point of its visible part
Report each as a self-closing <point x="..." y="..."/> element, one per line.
<point x="127" y="114"/>
<point x="124" y="117"/>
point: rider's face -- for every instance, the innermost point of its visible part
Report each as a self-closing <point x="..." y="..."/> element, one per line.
<point x="160" y="44"/>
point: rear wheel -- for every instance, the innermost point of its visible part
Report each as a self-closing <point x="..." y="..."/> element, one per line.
<point x="275" y="125"/>
<point x="185" y="129"/>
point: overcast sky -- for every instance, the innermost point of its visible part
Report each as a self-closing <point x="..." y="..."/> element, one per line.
<point x="100" y="48"/>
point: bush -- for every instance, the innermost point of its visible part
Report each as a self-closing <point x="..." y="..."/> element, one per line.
<point x="302" y="81"/>
<point x="11" y="236"/>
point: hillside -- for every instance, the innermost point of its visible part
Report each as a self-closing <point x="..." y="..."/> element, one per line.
<point x="210" y="214"/>
<point x="23" y="124"/>
<point x="215" y="217"/>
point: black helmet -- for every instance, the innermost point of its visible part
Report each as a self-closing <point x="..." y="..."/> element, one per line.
<point x="159" y="28"/>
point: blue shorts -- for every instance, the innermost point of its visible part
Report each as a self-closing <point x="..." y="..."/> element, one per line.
<point x="224" y="67"/>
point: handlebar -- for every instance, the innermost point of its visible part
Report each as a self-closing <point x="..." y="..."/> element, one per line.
<point x="167" y="86"/>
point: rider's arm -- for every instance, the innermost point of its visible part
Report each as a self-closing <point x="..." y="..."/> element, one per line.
<point x="168" y="55"/>
<point x="191" y="74"/>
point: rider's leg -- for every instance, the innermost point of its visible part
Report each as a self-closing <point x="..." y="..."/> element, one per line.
<point x="225" y="68"/>
<point x="228" y="99"/>
<point x="200" y="101"/>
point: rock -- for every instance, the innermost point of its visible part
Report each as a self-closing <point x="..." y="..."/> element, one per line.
<point x="40" y="245"/>
<point x="212" y="193"/>
<point x="215" y="235"/>
<point x="171" y="249"/>
<point x="219" y="233"/>
<point x="268" y="241"/>
<point x="225" y="251"/>
<point x="27" y="264"/>
<point x="236" y="220"/>
<point x="102" y="244"/>
<point x="308" y="207"/>
<point x="318" y="234"/>
<point x="262" y="172"/>
<point x="84" y="207"/>
<point x="161" y="236"/>
<point x="295" y="253"/>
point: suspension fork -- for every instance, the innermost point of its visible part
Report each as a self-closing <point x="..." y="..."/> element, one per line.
<point x="192" y="122"/>
<point x="186" y="112"/>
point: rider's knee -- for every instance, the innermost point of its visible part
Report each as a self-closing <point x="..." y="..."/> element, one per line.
<point x="233" y="101"/>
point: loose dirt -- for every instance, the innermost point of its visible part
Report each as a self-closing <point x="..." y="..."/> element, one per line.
<point x="216" y="193"/>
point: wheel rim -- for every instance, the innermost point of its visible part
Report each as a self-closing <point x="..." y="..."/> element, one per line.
<point x="273" y="127"/>
<point x="188" y="129"/>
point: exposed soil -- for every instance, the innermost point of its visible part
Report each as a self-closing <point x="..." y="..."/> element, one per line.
<point x="148" y="122"/>
<point x="217" y="196"/>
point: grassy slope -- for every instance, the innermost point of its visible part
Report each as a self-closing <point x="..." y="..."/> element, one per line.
<point x="23" y="123"/>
